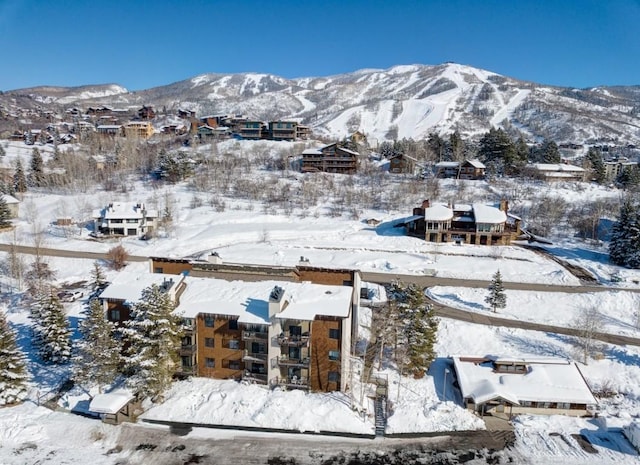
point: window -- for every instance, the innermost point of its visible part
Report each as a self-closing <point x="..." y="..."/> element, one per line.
<point x="564" y="405"/>
<point x="158" y="269"/>
<point x="208" y="321"/>
<point x="334" y="355"/>
<point x="208" y="342"/>
<point x="334" y="377"/>
<point x="210" y="362"/>
<point x="186" y="362"/>
<point x="233" y="324"/>
<point x="295" y="330"/>
<point x="234" y="364"/>
<point x="234" y="344"/>
<point x="115" y="315"/>
<point x="526" y="403"/>
<point x="334" y="333"/>
<point x="118" y="221"/>
<point x="129" y="220"/>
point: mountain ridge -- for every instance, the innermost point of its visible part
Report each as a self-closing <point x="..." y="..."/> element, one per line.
<point x="400" y="101"/>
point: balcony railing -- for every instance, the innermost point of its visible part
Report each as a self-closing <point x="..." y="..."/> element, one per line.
<point x="286" y="361"/>
<point x="259" y="378"/>
<point x="254" y="356"/>
<point x="187" y="370"/>
<point x="286" y="339"/>
<point x="254" y="335"/>
<point x="187" y="349"/>
<point x="293" y="382"/>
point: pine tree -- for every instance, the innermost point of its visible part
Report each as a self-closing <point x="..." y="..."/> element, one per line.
<point x="52" y="333"/>
<point x="499" y="152"/>
<point x="497" y="297"/>
<point x="13" y="371"/>
<point x="5" y="213"/>
<point x="98" y="278"/>
<point x="36" y="172"/>
<point x="98" y="359"/>
<point x="153" y="336"/>
<point x="594" y="158"/>
<point x="19" y="179"/>
<point x="624" y="245"/>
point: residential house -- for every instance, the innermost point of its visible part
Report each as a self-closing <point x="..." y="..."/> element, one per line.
<point x="472" y="169"/>
<point x="186" y="114"/>
<point x="291" y="335"/>
<point x="125" y="219"/>
<point x="303" y="132"/>
<point x="507" y="386"/>
<point x="358" y="137"/>
<point x="464" y="224"/>
<point x="213" y="121"/>
<point x="109" y="129"/>
<point x="252" y="130"/>
<point x="142" y="129"/>
<point x="12" y="203"/>
<point x="446" y="169"/>
<point x="146" y="113"/>
<point x="557" y="171"/>
<point x="401" y="163"/>
<point x="283" y="130"/>
<point x="331" y="158"/>
<point x="216" y="132"/>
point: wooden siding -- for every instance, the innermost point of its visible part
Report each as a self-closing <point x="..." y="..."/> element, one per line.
<point x="222" y="355"/>
<point x="321" y="365"/>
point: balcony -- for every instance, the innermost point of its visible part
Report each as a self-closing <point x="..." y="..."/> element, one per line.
<point x="187" y="349"/>
<point x="254" y="356"/>
<point x="254" y="335"/>
<point x="257" y="378"/>
<point x="290" y="383"/>
<point x="290" y="340"/>
<point x="184" y="370"/>
<point x="286" y="361"/>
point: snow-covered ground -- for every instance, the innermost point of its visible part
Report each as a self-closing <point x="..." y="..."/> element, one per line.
<point x="247" y="234"/>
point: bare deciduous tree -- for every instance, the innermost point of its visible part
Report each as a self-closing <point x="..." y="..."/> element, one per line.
<point x="118" y="256"/>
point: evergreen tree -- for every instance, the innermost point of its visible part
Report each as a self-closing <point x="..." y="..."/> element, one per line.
<point x="624" y="245"/>
<point x="19" y="179"/>
<point x="456" y="145"/>
<point x="52" y="333"/>
<point x="547" y="152"/>
<point x="5" y="213"/>
<point x="2" y="151"/>
<point x="36" y="172"/>
<point x="594" y="158"/>
<point x="413" y="329"/>
<point x="497" y="297"/>
<point x="98" y="358"/>
<point x="499" y="153"/>
<point x="13" y="371"/>
<point x="153" y="336"/>
<point x="522" y="149"/>
<point x="98" y="278"/>
<point x="629" y="177"/>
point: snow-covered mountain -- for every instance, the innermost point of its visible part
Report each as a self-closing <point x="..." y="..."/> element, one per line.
<point x="402" y="101"/>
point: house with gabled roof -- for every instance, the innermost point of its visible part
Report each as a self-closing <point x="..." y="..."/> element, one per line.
<point x="332" y="158"/>
<point x="532" y="385"/>
<point x="125" y="219"/>
<point x="477" y="223"/>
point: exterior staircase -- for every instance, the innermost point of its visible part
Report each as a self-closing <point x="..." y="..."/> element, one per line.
<point x="380" y="408"/>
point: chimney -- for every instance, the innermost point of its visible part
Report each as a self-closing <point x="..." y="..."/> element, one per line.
<point x="214" y="258"/>
<point x="504" y="205"/>
<point x="276" y="301"/>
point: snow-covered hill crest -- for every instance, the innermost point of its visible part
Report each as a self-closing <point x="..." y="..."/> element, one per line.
<point x="402" y="101"/>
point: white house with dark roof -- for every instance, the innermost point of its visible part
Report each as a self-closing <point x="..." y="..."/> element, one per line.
<point x="535" y="385"/>
<point x="125" y="219"/>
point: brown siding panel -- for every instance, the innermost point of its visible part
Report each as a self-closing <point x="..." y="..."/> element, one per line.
<point x="321" y="344"/>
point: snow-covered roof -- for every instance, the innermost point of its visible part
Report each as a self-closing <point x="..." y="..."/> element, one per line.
<point x="249" y="301"/>
<point x="109" y="126"/>
<point x="546" y="379"/>
<point x="128" y="286"/>
<point x="124" y="210"/>
<point x="438" y="213"/>
<point x="9" y="199"/>
<point x="447" y="164"/>
<point x="312" y="152"/>
<point x="487" y="214"/>
<point x="111" y="402"/>
<point x="476" y="163"/>
<point x="558" y="167"/>
<point x="344" y="149"/>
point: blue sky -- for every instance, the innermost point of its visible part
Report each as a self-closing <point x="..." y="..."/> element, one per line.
<point x="143" y="44"/>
